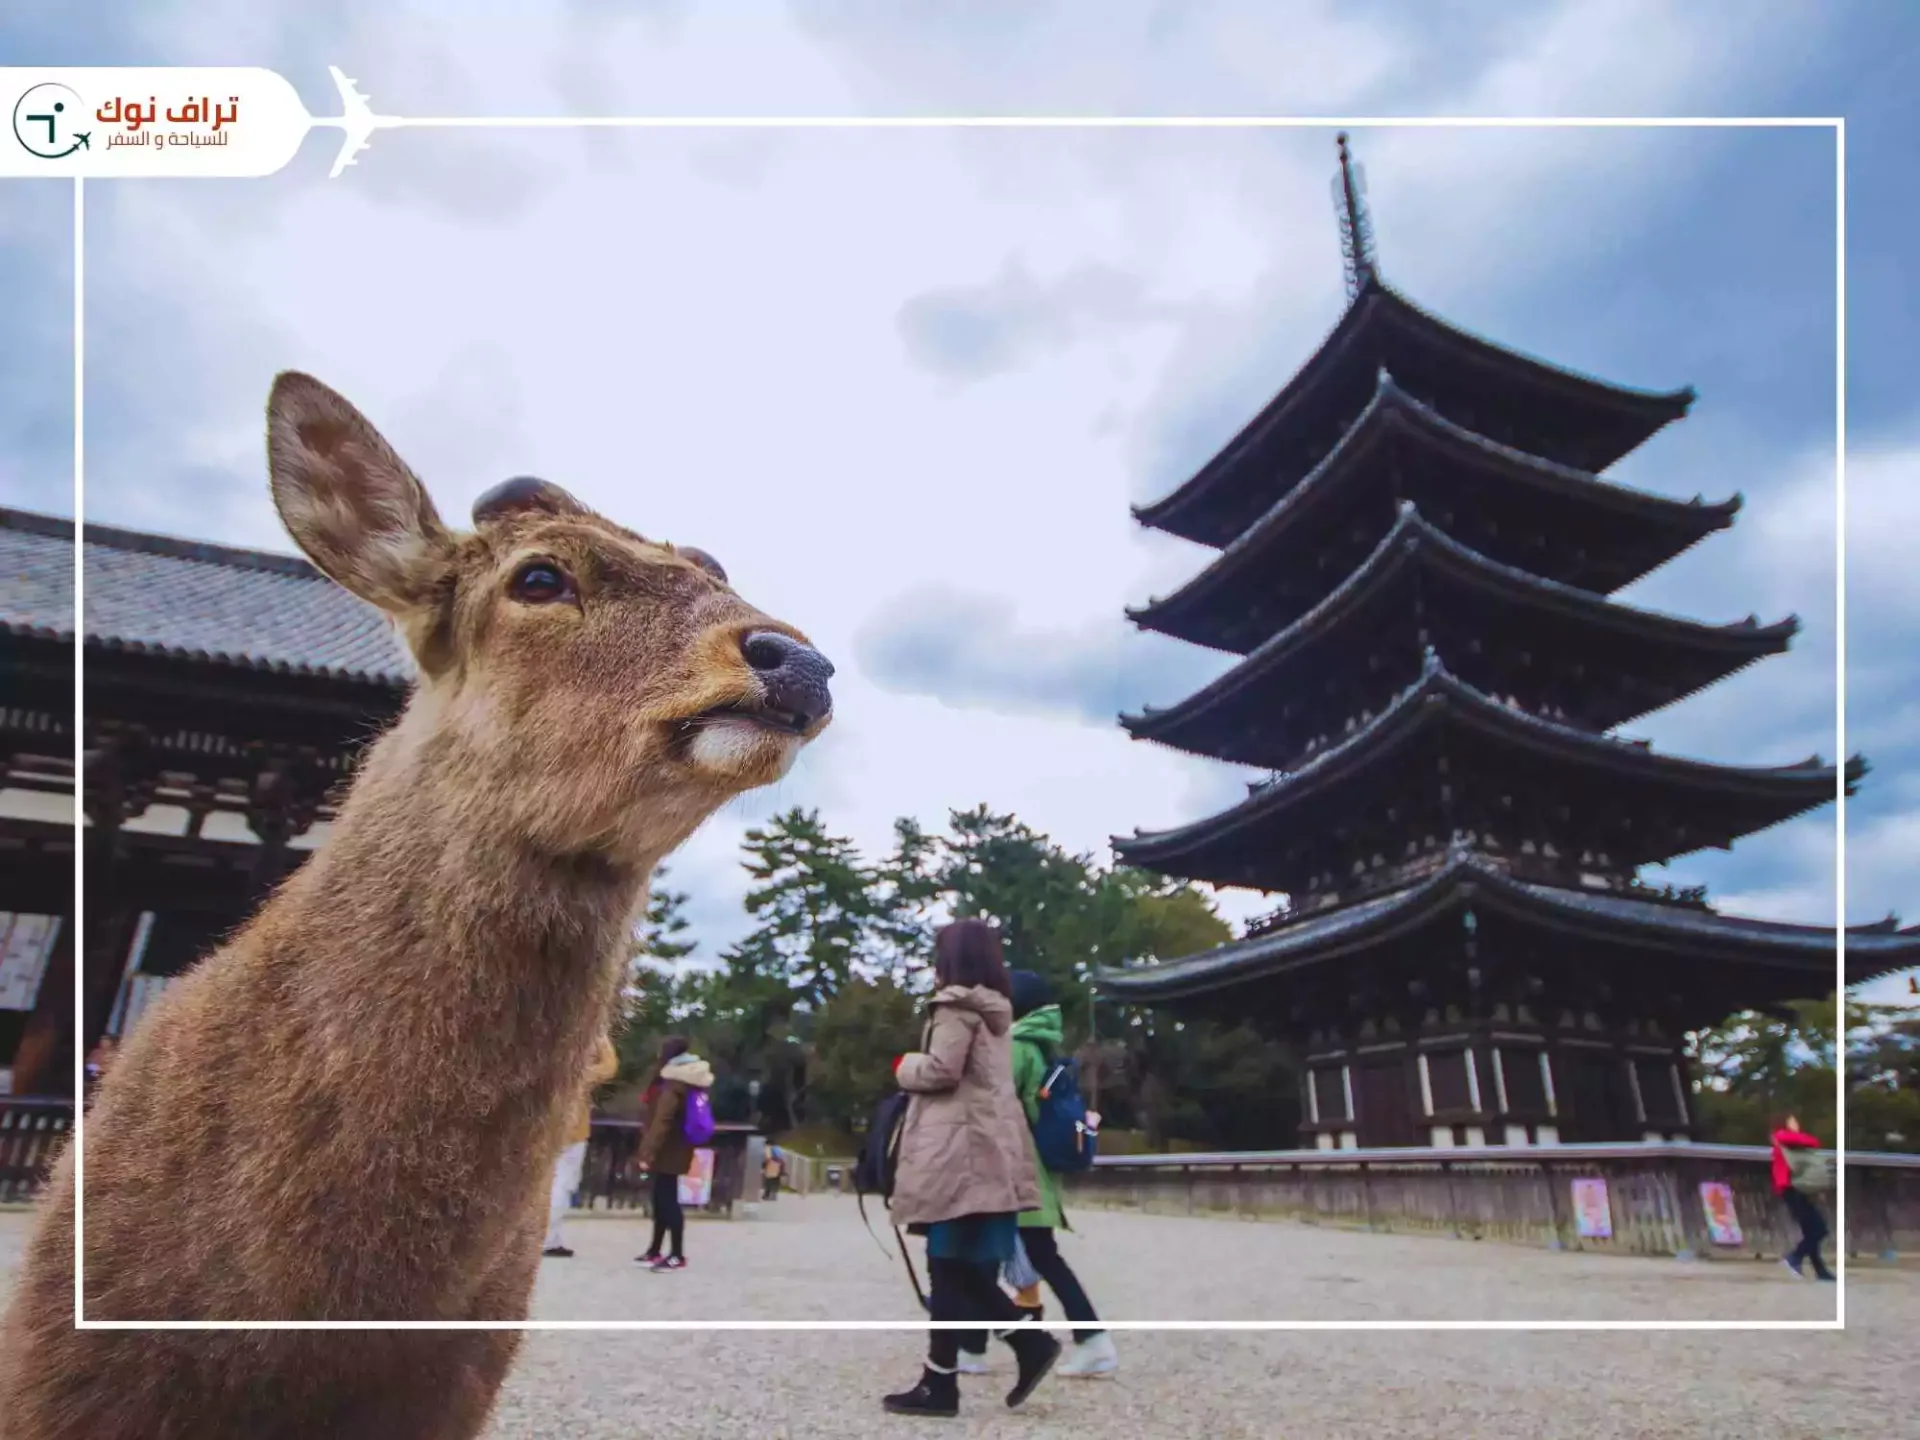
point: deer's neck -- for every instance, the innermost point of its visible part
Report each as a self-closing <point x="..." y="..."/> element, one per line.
<point x="426" y="928"/>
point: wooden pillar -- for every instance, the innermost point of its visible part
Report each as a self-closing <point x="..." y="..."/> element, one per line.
<point x="43" y="1061"/>
<point x="112" y="912"/>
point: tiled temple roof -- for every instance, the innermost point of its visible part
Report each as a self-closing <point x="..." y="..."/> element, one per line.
<point x="1376" y="311"/>
<point x="1872" y="950"/>
<point x="1803" y="786"/>
<point x="1413" y="538"/>
<point x="216" y="604"/>
<point x="1391" y="405"/>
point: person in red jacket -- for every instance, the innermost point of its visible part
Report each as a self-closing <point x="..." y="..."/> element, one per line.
<point x="1802" y="1206"/>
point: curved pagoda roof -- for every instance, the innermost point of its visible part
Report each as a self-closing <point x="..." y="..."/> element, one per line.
<point x="1557" y="522"/>
<point x="1795" y="953"/>
<point x="1537" y="407"/>
<point x="1444" y="757"/>
<point x="1263" y="711"/>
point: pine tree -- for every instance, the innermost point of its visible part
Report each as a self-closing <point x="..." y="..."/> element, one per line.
<point x="814" y="903"/>
<point x="656" y="1000"/>
<point x="666" y="921"/>
<point x="907" y="891"/>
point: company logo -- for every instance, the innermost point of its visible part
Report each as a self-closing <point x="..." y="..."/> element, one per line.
<point x="102" y="123"/>
<point x="47" y="118"/>
<point x="46" y="122"/>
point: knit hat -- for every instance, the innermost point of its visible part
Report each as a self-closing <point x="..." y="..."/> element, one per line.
<point x="1030" y="992"/>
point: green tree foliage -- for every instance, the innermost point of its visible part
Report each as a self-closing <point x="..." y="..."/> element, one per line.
<point x="998" y="869"/>
<point x="814" y="903"/>
<point x="1753" y="1067"/>
<point x="659" y="937"/>
<point x="655" y="998"/>
<point x="1756" y="1067"/>
<point x="908" y="887"/>
<point x="809" y="1007"/>
<point x="855" y="1037"/>
<point x="1883" y="1079"/>
<point x="807" y="1010"/>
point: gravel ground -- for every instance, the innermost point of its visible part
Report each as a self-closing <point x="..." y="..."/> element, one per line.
<point x="810" y="1259"/>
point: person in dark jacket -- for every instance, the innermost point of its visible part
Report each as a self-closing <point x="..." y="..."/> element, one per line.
<point x="665" y="1152"/>
<point x="1788" y="1135"/>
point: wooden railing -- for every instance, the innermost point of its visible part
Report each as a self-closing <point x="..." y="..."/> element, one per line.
<point x="1654" y="1201"/>
<point x="610" y="1177"/>
<point x="32" y="1131"/>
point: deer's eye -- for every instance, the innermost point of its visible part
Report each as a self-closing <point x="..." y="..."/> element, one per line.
<point x="540" y="582"/>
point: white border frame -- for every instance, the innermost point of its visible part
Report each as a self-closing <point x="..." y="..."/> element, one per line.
<point x="1837" y="124"/>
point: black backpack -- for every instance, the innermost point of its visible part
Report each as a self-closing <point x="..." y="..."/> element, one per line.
<point x="879" y="1158"/>
<point x="874" y="1170"/>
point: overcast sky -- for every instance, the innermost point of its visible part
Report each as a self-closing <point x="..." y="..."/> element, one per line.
<point x="906" y="384"/>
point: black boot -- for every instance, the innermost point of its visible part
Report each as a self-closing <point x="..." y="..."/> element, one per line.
<point x="938" y="1393"/>
<point x="1036" y="1351"/>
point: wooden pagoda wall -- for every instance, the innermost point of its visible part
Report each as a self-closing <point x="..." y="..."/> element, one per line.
<point x="1496" y="1085"/>
<point x="1493" y="1039"/>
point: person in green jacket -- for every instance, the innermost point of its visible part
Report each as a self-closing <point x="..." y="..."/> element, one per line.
<point x="1039" y="1037"/>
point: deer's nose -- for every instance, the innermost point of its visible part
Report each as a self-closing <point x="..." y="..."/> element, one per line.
<point x="795" y="675"/>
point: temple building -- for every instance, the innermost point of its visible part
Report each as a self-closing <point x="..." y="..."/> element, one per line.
<point x="227" y="694"/>
<point x="1416" y="550"/>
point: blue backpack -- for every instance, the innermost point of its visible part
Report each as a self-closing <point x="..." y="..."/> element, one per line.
<point x="1061" y="1136"/>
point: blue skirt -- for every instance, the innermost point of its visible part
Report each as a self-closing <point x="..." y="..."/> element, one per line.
<point x="977" y="1239"/>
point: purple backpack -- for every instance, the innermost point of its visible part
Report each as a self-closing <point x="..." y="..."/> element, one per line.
<point x="696" y="1121"/>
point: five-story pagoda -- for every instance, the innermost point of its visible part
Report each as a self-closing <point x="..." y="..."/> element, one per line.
<point x="1416" y="552"/>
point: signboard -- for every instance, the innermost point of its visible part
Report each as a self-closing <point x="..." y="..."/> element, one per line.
<point x="696" y="1186"/>
<point x="1723" y="1221"/>
<point x="26" y="944"/>
<point x="1592" y="1216"/>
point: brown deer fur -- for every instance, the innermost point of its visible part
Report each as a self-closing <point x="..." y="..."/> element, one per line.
<point x="351" y="1109"/>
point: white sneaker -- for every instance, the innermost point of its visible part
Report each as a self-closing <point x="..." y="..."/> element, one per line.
<point x="1090" y="1358"/>
<point x="973" y="1364"/>
<point x="1793" y="1270"/>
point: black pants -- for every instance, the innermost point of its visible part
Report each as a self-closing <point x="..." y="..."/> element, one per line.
<point x="1813" y="1229"/>
<point x="1043" y="1250"/>
<point x="669" y="1220"/>
<point x="962" y="1290"/>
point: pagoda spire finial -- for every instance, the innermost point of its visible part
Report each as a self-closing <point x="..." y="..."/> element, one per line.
<point x="1356" y="227"/>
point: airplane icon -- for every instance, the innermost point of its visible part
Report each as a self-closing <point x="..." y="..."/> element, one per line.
<point x="357" y="120"/>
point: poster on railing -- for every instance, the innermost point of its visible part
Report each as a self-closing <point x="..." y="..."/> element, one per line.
<point x="1592" y="1216"/>
<point x="696" y="1186"/>
<point x="1723" y="1221"/>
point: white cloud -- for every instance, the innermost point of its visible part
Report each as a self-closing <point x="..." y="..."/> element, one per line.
<point x="701" y="332"/>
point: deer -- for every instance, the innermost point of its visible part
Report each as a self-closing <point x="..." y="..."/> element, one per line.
<point x="349" y="1110"/>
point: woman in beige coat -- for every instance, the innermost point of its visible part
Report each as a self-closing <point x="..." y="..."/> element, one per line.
<point x="964" y="1169"/>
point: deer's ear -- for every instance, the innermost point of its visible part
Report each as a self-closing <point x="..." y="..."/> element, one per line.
<point x="349" y="502"/>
